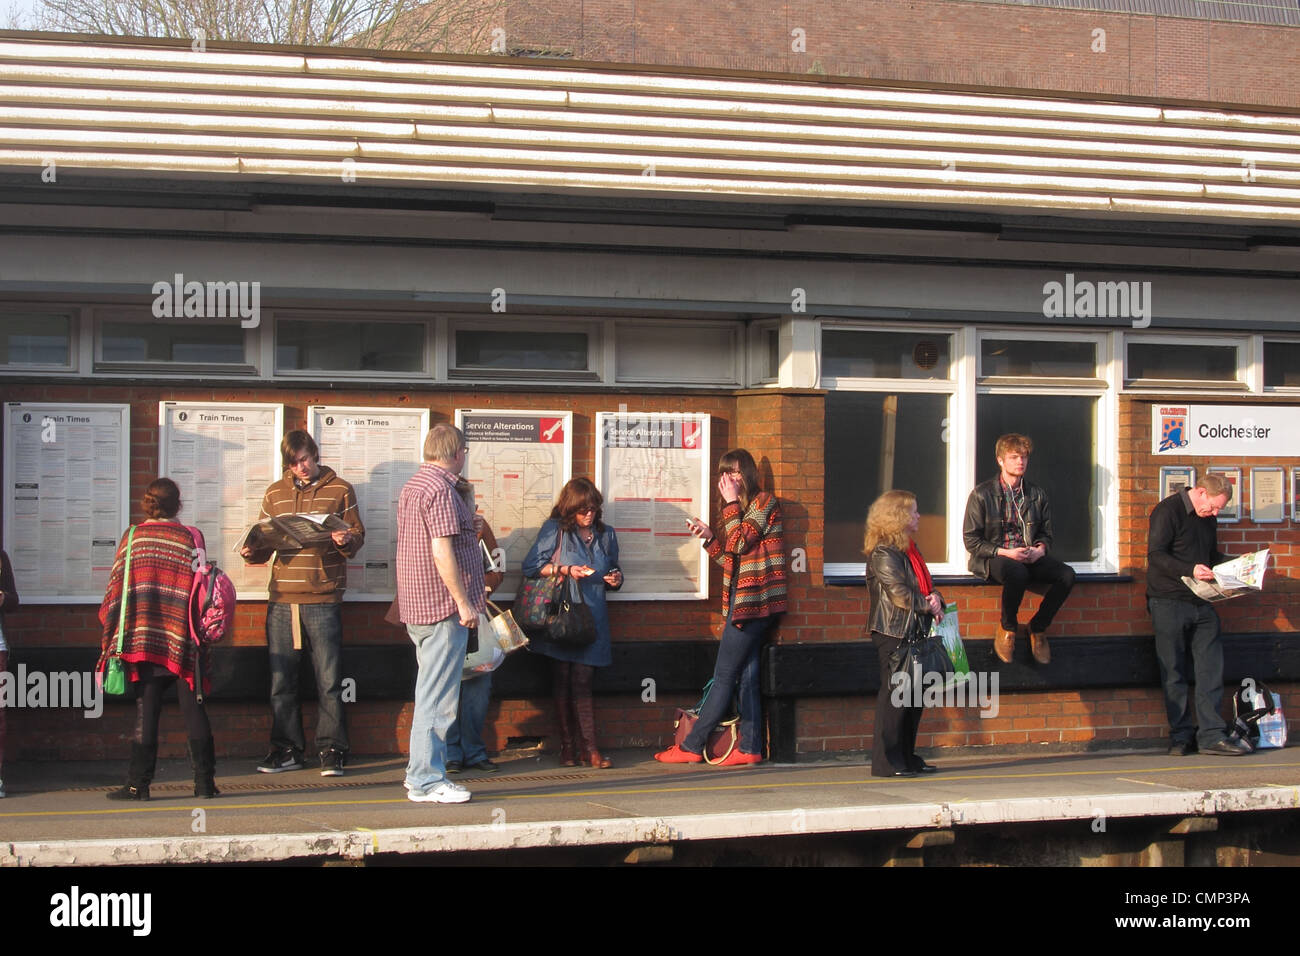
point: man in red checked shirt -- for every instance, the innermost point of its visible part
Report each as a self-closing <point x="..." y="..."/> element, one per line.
<point x="440" y="593"/>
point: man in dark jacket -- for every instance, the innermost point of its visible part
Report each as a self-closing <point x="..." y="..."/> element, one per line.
<point x="1183" y="542"/>
<point x="305" y="605"/>
<point x="1008" y="532"/>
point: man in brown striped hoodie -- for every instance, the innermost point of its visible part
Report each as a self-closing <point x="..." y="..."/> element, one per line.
<point x="306" y="592"/>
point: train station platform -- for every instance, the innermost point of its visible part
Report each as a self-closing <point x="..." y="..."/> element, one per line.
<point x="1072" y="809"/>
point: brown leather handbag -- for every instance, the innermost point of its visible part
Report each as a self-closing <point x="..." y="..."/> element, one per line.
<point x="722" y="740"/>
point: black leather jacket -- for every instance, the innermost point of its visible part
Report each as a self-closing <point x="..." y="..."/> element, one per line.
<point x="982" y="527"/>
<point x="898" y="608"/>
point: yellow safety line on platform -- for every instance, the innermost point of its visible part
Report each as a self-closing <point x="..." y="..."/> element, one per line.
<point x="185" y="807"/>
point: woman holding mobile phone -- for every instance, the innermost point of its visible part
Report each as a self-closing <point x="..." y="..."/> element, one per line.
<point x="750" y="545"/>
<point x="575" y="544"/>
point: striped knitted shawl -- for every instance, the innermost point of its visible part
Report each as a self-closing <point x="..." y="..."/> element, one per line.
<point x="158" y="607"/>
<point x="751" y="549"/>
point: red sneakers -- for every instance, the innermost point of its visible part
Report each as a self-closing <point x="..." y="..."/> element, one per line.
<point x="738" y="758"/>
<point x="676" y="754"/>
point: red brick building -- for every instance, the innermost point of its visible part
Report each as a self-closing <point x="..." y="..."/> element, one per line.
<point x="837" y="243"/>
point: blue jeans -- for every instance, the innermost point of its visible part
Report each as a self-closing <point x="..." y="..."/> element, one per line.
<point x="322" y="634"/>
<point x="465" y="735"/>
<point x="735" y="671"/>
<point x="439" y="656"/>
<point x="1182" y="627"/>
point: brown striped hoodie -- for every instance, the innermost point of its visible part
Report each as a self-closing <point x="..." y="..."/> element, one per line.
<point x="317" y="574"/>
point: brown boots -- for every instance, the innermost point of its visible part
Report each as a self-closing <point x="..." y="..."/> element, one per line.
<point x="1004" y="645"/>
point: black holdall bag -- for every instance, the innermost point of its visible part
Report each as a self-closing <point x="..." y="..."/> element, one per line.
<point x="914" y="659"/>
<point x="573" y="623"/>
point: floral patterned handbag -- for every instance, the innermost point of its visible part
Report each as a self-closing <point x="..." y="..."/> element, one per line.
<point x="536" y="605"/>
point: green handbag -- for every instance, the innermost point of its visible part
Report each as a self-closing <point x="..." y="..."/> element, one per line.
<point x="114" y="675"/>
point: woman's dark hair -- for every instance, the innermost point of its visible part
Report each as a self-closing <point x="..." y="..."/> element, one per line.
<point x="575" y="496"/>
<point x="162" y="499"/>
<point x="742" y="461"/>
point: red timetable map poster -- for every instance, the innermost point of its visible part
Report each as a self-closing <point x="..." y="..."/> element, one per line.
<point x="653" y="469"/>
<point x="518" y="462"/>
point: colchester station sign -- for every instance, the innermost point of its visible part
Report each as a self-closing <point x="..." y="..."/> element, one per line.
<point x="1244" y="431"/>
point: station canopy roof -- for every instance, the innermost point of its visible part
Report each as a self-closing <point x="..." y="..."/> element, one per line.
<point x="160" y="109"/>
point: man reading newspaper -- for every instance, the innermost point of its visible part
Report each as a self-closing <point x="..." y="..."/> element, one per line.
<point x="1183" y="543"/>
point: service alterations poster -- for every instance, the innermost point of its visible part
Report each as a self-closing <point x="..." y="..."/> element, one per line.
<point x="223" y="456"/>
<point x="653" y="469"/>
<point x="518" y="462"/>
<point x="67" y="497"/>
<point x="376" y="450"/>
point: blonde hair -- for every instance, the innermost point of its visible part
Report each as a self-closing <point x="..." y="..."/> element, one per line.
<point x="1020" y="444"/>
<point x="887" y="521"/>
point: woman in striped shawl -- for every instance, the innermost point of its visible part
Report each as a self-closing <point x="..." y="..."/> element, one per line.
<point x="750" y="545"/>
<point x="157" y="647"/>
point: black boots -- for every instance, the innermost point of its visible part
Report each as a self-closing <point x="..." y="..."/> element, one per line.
<point x="204" y="761"/>
<point x="139" y="773"/>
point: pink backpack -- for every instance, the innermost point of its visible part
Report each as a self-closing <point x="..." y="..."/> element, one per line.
<point x="212" y="597"/>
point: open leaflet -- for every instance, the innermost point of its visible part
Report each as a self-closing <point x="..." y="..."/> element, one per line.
<point x="290" y="532"/>
<point x="1232" y="578"/>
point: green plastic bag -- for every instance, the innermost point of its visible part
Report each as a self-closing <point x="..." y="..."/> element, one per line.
<point x="949" y="631"/>
<point x="114" y="674"/>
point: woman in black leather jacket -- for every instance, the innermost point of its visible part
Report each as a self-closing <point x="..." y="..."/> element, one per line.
<point x="903" y="604"/>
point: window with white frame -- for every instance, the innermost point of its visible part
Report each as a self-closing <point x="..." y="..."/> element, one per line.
<point x="1281" y="364"/>
<point x="888" y="413"/>
<point x="922" y="410"/>
<point x="32" y="338"/>
<point x="375" y="345"/>
<point x="1186" y="362"/>
<point x="1051" y="388"/>
<point x="541" y="349"/>
<point x="129" y="339"/>
<point x="686" y="353"/>
<point x="764" y="352"/>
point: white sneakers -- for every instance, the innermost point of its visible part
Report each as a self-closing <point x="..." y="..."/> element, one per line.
<point x="445" y="792"/>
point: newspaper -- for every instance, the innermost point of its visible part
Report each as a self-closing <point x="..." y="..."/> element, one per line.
<point x="1232" y="578"/>
<point x="290" y="532"/>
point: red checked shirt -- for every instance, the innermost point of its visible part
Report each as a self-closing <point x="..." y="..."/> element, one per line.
<point x="429" y="507"/>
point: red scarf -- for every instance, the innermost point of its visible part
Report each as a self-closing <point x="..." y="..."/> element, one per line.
<point x="918" y="565"/>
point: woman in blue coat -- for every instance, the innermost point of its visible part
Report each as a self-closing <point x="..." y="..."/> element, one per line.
<point x="588" y="561"/>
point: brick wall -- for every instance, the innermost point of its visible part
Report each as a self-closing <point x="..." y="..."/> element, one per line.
<point x="932" y="41"/>
<point x="784" y="430"/>
<point x="1085" y="720"/>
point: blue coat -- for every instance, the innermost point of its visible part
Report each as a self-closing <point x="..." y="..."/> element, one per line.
<point x="602" y="554"/>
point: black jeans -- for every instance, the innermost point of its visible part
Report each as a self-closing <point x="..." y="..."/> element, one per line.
<point x="1015" y="577"/>
<point x="893" y="745"/>
<point x="1183" y="628"/>
<point x="151" y="686"/>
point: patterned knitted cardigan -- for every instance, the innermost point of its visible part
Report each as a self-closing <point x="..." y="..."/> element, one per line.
<point x="158" y="607"/>
<point x="751" y="550"/>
